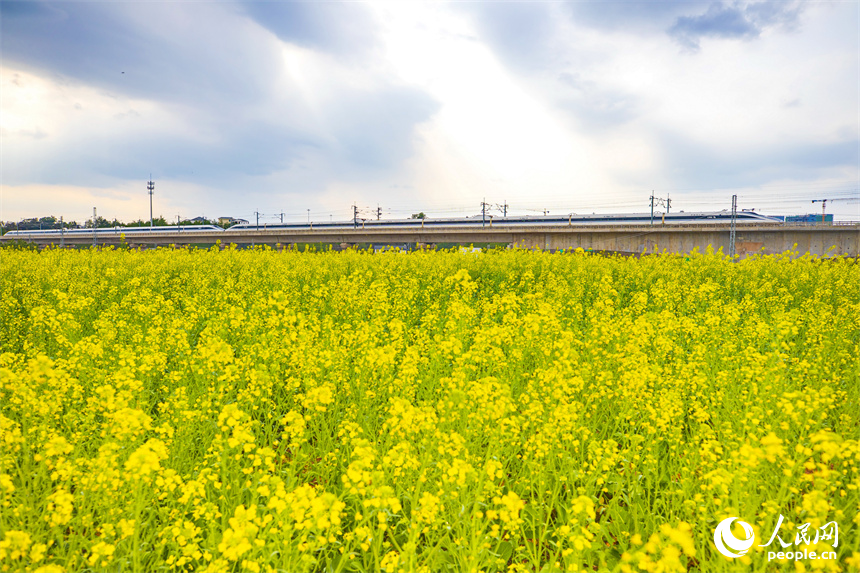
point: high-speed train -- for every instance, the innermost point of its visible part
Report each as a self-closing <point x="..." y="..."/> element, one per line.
<point x="520" y="221"/>
<point x="743" y="217"/>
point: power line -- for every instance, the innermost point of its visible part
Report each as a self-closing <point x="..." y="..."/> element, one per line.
<point x="787" y="197"/>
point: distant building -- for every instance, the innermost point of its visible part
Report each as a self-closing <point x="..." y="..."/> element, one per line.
<point x="810" y="218"/>
<point x="230" y="221"/>
<point x="199" y="220"/>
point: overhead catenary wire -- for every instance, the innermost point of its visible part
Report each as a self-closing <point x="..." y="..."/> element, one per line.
<point x="788" y="198"/>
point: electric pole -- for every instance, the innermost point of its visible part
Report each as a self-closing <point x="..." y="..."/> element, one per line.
<point x="378" y="212"/>
<point x="652" y="207"/>
<point x="732" y="231"/>
<point x="484" y="212"/>
<point x="150" y="186"/>
<point x="354" y="216"/>
<point x="661" y="202"/>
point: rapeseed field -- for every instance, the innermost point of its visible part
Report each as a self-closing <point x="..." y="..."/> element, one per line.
<point x="256" y="410"/>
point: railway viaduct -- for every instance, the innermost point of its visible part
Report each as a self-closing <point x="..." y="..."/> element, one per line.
<point x="751" y="238"/>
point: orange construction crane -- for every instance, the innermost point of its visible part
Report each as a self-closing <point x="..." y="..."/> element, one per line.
<point x="824" y="203"/>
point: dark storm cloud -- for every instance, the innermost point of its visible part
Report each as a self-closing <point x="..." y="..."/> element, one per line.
<point x="210" y="65"/>
<point x="733" y="21"/>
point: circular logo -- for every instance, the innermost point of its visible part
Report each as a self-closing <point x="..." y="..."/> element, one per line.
<point x="727" y="543"/>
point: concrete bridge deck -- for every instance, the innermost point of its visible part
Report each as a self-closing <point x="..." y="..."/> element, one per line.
<point x="818" y="239"/>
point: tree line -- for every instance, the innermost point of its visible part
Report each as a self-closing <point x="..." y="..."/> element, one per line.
<point x="51" y="222"/>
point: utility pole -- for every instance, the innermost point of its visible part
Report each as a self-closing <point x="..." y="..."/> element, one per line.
<point x="378" y="212"/>
<point x="150" y="185"/>
<point x="282" y="217"/>
<point x="354" y="216"/>
<point x="732" y="232"/>
<point x="309" y="216"/>
<point x="652" y="207"/>
<point x="257" y="213"/>
<point x="484" y="212"/>
<point x="655" y="201"/>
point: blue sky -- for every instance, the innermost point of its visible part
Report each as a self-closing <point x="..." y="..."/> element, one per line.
<point x="306" y="108"/>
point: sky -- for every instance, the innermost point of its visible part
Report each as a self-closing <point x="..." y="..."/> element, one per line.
<point x="308" y="108"/>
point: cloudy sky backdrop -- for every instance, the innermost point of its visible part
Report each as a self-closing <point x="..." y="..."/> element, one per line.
<point x="237" y="107"/>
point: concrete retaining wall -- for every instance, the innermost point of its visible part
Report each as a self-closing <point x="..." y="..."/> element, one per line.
<point x="818" y="241"/>
<point x="750" y="239"/>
